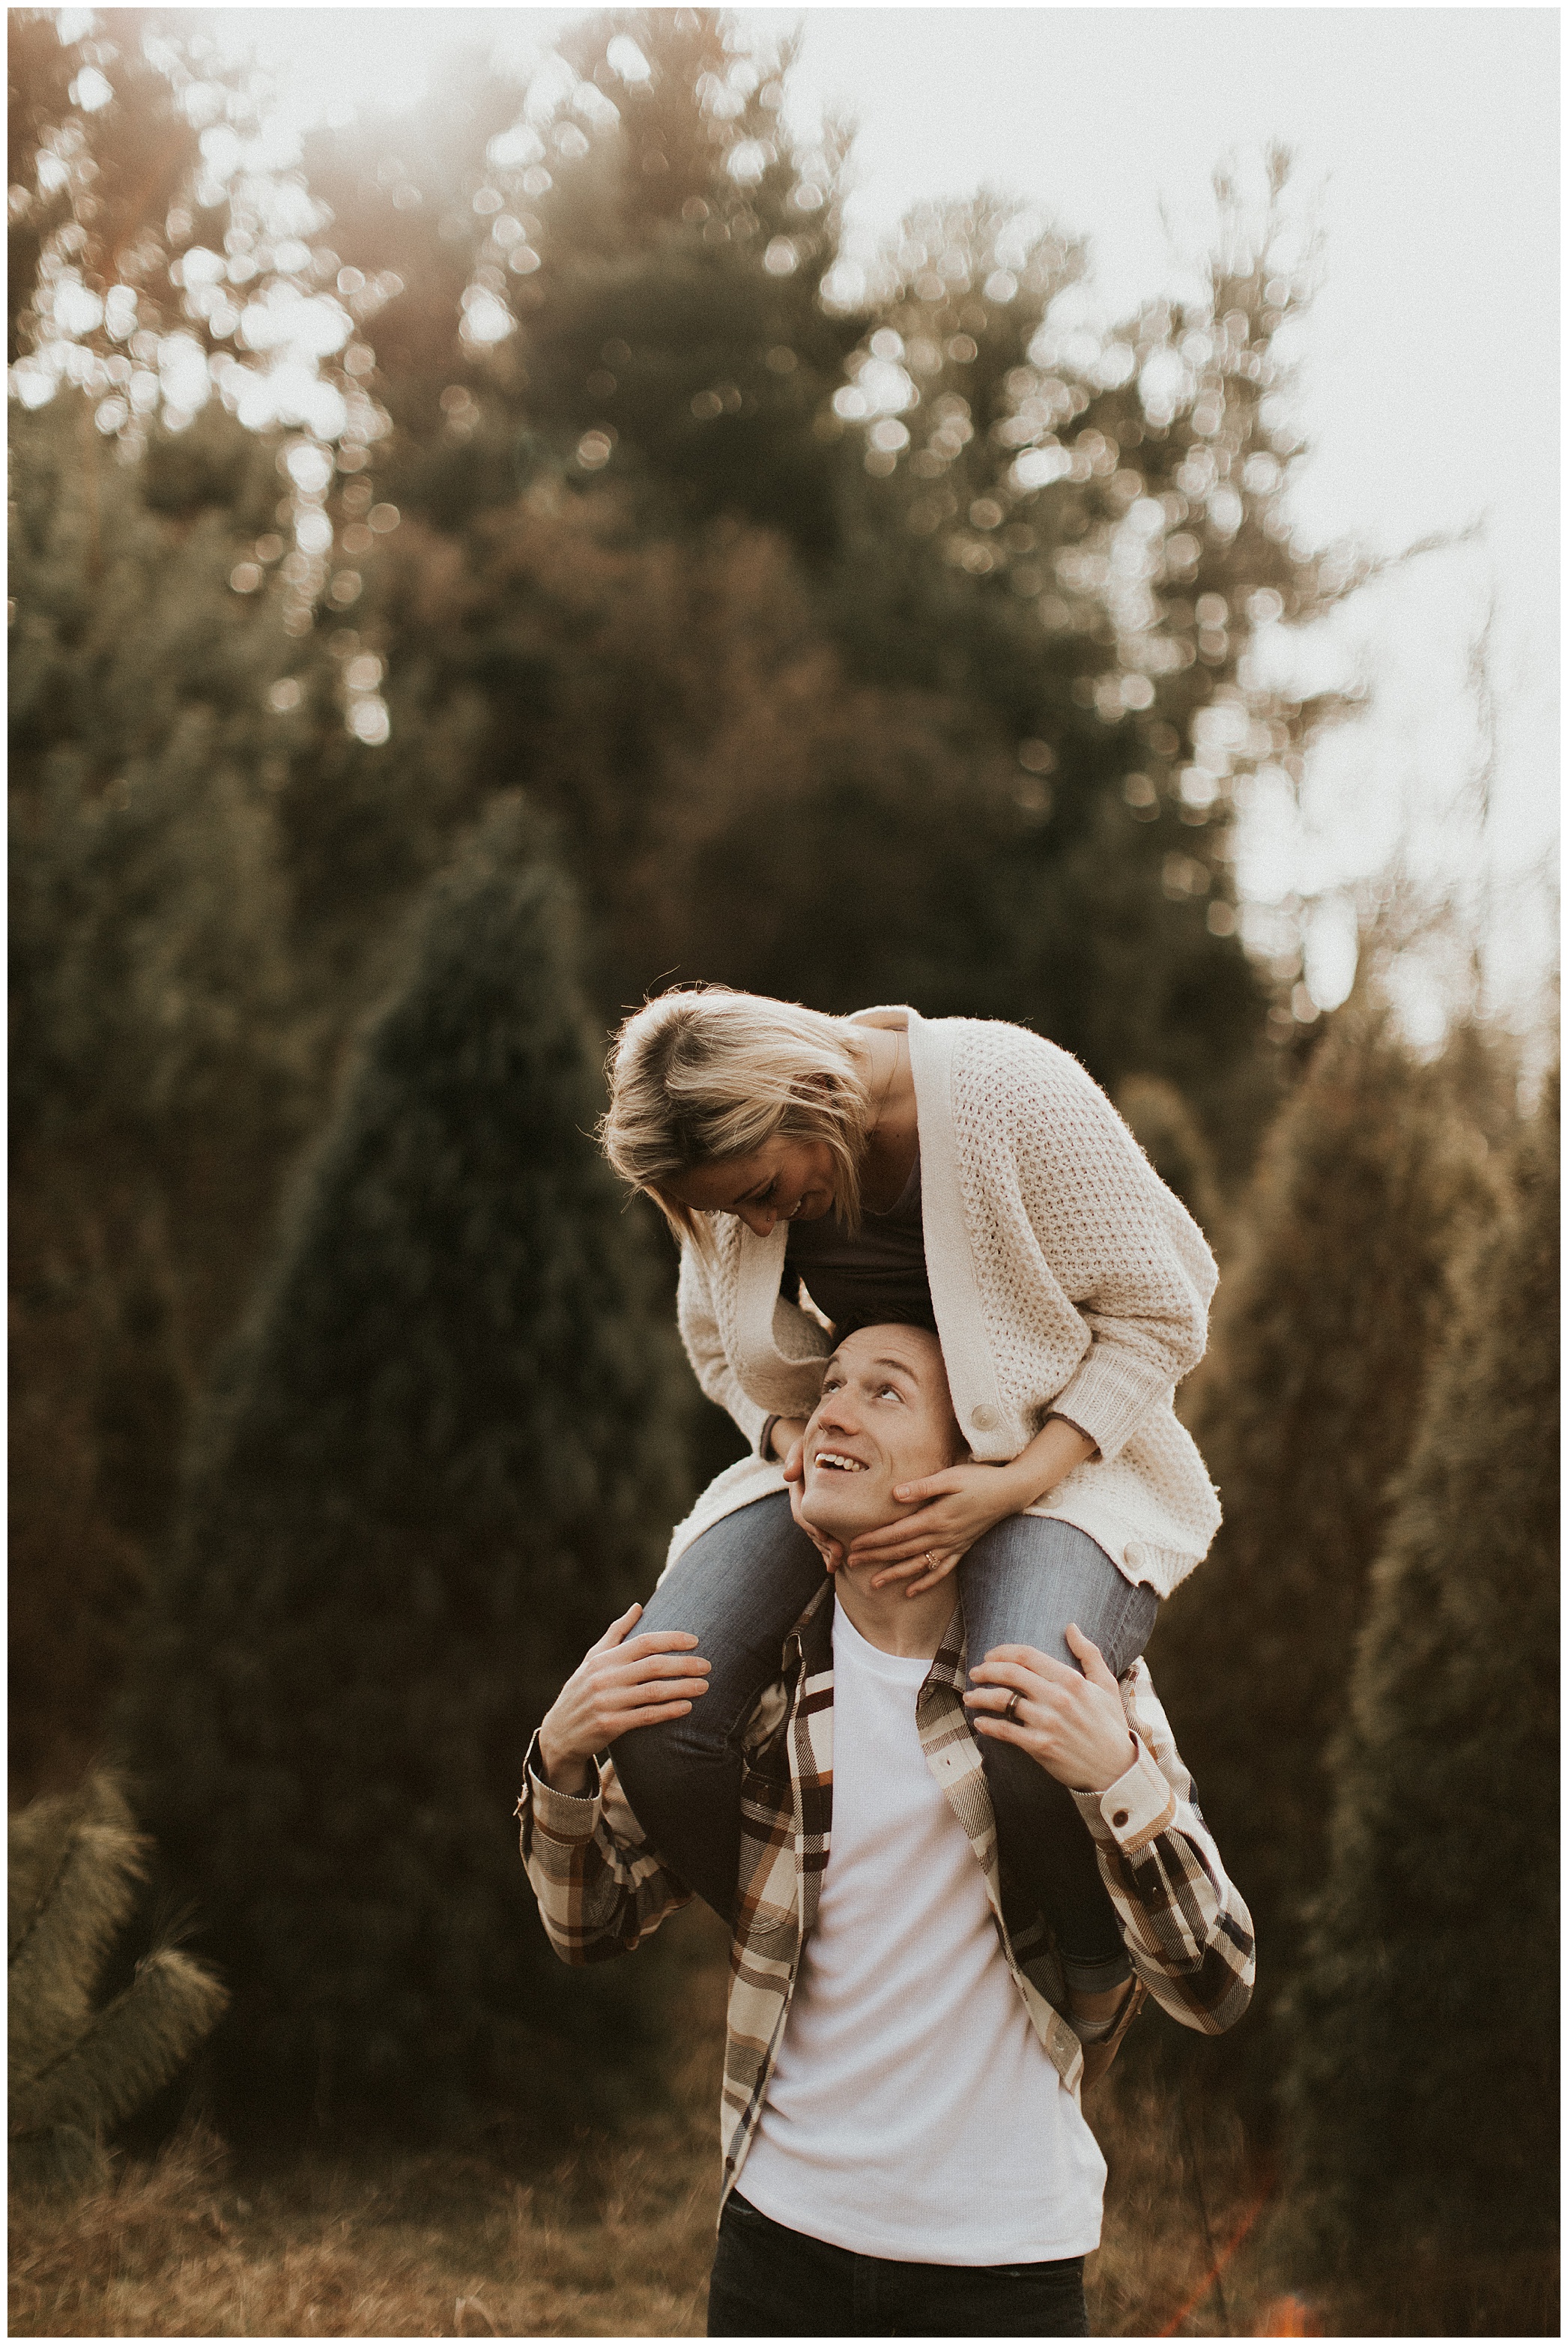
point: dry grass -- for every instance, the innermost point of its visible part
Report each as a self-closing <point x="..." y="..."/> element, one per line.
<point x="611" y="2239"/>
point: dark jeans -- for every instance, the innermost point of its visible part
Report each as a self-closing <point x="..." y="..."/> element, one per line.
<point x="739" y="1589"/>
<point x="773" y="2282"/>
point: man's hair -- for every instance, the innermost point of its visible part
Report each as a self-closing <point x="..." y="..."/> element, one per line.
<point x="702" y="1075"/>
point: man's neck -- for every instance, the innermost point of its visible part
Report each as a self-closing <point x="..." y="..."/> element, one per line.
<point x="908" y="1626"/>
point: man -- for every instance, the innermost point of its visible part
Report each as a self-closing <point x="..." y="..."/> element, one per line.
<point x="901" y="2089"/>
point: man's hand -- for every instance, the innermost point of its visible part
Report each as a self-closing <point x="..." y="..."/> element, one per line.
<point x="1073" y="1725"/>
<point x="616" y="1685"/>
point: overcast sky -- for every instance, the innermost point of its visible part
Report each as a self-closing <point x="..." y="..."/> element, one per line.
<point x="1426" y="146"/>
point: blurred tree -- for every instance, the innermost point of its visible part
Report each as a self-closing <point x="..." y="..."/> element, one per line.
<point x="77" y="2066"/>
<point x="1371" y="1180"/>
<point x="443" y="1453"/>
<point x="96" y="168"/>
<point x="1421" y="2090"/>
<point x="1073" y="539"/>
<point x="621" y="282"/>
<point x="961" y="716"/>
<point x="162" y="1061"/>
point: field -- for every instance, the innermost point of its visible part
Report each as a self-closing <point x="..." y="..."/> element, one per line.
<point x="602" y="2240"/>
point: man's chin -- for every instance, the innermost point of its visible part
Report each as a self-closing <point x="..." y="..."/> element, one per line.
<point x="842" y="1515"/>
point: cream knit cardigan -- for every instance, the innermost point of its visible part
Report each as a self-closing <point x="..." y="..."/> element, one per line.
<point x="1064" y="1276"/>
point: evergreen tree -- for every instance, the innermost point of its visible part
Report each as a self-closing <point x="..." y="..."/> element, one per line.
<point x="164" y="1062"/>
<point x="619" y="283"/>
<point x="444" y="1452"/>
<point x="1421" y="2089"/>
<point x="1323" y="1333"/>
<point x="1063" y="553"/>
<point x="78" y="2067"/>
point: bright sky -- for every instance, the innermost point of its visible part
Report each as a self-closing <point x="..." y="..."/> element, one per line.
<point x="1426" y="145"/>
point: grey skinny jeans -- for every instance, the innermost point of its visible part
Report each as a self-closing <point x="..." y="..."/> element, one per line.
<point x="740" y="1588"/>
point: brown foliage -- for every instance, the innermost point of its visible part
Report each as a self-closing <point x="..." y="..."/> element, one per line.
<point x="611" y="2239"/>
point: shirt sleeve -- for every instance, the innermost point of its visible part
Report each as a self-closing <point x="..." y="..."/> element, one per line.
<point x="1187" y="1927"/>
<point x="704" y="1346"/>
<point x="601" y="1889"/>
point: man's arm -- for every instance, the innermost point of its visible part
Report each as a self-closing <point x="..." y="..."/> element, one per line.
<point x="1186" y="1925"/>
<point x="601" y="1889"/>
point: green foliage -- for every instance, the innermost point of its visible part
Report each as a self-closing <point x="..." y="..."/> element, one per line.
<point x="1323" y="1333"/>
<point x="807" y="711"/>
<point x="1077" y="632"/>
<point x="146" y="952"/>
<point x="78" y="2067"/>
<point x="444" y="1452"/>
<point x="1424" y="2030"/>
<point x="166" y="1052"/>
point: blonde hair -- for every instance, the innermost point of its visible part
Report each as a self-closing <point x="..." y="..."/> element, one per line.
<point x="702" y="1075"/>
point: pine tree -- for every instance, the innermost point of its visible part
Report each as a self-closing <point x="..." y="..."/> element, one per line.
<point x="1323" y="1333"/>
<point x="164" y="1057"/>
<point x="1062" y="555"/>
<point x="78" y="2067"/>
<point x="1421" y="2090"/>
<point x="443" y="1454"/>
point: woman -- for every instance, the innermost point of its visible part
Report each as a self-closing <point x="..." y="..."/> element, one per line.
<point x="963" y="1175"/>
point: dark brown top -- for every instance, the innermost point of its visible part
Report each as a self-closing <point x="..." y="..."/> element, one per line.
<point x="876" y="1276"/>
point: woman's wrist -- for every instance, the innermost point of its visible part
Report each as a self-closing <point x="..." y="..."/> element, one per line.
<point x="1058" y="1448"/>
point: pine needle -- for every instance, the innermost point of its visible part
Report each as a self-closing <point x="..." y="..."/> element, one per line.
<point x="130" y="2048"/>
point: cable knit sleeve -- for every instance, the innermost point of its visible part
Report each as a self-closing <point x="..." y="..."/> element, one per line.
<point x="1056" y="1188"/>
<point x="703" y="1337"/>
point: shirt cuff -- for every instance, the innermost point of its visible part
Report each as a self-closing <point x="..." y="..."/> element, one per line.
<point x="560" y="1815"/>
<point x="1139" y="1805"/>
<point x="1109" y="1396"/>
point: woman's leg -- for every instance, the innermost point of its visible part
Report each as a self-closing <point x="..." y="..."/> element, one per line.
<point x="739" y="1588"/>
<point x="1021" y="1584"/>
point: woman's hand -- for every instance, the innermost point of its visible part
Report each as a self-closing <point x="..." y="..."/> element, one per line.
<point x="1074" y="1726"/>
<point x="829" y="1549"/>
<point x="960" y="1505"/>
<point x="950" y="1510"/>
<point x="616" y="1685"/>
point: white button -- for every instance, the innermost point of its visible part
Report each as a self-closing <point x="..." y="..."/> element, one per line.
<point x="983" y="1418"/>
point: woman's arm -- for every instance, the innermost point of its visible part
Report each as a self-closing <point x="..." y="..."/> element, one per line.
<point x="699" y="1325"/>
<point x="1119" y="1249"/>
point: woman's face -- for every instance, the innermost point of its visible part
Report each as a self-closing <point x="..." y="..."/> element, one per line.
<point x="785" y="1181"/>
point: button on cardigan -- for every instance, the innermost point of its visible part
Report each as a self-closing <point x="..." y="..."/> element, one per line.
<point x="1064" y="1277"/>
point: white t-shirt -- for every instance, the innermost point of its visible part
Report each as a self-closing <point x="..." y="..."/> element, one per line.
<point x="913" y="2113"/>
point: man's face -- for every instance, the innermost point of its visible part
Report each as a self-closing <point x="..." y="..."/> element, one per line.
<point x="885" y="1418"/>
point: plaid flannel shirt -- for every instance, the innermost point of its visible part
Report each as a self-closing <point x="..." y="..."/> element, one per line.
<point x="602" y="1888"/>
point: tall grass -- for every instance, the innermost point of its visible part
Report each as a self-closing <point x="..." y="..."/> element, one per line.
<point x="592" y="2237"/>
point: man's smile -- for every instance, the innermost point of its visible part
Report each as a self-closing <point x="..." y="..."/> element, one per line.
<point x="837" y="1461"/>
